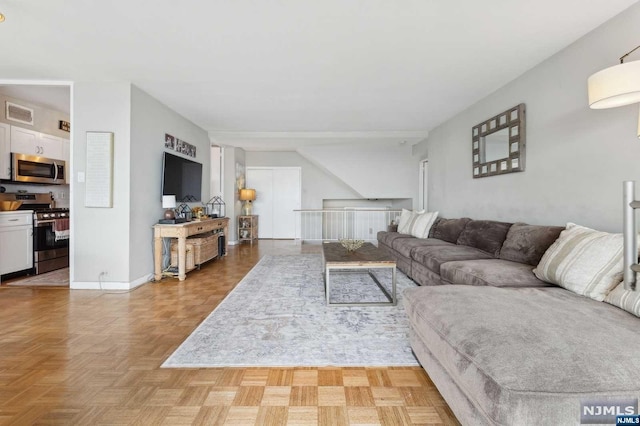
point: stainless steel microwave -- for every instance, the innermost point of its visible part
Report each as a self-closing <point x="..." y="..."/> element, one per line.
<point x="34" y="169"/>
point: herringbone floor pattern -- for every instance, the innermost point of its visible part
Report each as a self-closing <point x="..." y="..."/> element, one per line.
<point x="93" y="358"/>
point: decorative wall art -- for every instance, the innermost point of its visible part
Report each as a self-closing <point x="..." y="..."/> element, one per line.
<point x="498" y="144"/>
<point x="178" y="145"/>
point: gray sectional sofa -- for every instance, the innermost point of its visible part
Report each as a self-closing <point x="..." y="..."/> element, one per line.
<point x="503" y="347"/>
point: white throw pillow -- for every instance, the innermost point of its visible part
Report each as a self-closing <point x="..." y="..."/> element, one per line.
<point x="583" y="260"/>
<point x="406" y="217"/>
<point x="415" y="223"/>
<point x="625" y="299"/>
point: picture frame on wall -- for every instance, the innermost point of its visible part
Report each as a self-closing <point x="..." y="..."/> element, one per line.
<point x="178" y="145"/>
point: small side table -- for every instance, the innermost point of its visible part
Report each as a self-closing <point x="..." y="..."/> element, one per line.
<point x="248" y="228"/>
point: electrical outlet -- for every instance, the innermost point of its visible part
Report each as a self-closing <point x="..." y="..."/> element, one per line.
<point x="370" y="231"/>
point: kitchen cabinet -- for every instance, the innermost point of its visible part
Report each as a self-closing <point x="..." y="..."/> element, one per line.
<point x="30" y="142"/>
<point x="16" y="241"/>
<point x="5" y="151"/>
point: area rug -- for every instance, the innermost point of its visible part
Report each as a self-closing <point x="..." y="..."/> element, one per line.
<point x="57" y="278"/>
<point x="277" y="317"/>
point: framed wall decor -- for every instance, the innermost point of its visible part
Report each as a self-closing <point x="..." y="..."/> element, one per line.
<point x="498" y="145"/>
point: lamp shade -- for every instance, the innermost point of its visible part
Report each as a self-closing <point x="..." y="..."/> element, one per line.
<point x="168" y="201"/>
<point x="615" y="86"/>
<point x="247" y="194"/>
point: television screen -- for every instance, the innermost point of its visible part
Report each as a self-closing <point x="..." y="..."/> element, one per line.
<point x="182" y="178"/>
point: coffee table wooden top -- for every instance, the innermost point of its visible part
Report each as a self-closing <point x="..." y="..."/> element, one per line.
<point x="368" y="254"/>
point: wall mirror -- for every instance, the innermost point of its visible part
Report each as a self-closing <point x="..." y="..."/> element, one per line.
<point x="498" y="144"/>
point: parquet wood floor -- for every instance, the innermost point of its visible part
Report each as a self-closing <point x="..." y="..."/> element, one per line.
<point x="90" y="357"/>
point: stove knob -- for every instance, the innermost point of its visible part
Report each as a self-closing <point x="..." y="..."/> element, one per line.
<point x="46" y="215"/>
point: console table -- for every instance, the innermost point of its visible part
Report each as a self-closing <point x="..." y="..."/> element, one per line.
<point x="181" y="231"/>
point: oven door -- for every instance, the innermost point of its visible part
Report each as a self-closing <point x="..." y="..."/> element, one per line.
<point x="34" y="169"/>
<point x="44" y="237"/>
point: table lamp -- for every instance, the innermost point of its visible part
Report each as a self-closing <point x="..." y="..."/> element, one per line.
<point x="247" y="195"/>
<point x="169" y="203"/>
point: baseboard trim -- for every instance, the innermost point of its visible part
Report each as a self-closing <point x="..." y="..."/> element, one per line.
<point x="233" y="243"/>
<point x="110" y="285"/>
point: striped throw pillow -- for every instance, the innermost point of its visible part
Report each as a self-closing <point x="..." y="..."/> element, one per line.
<point x="406" y="218"/>
<point x="416" y="224"/>
<point x="625" y="299"/>
<point x="583" y="260"/>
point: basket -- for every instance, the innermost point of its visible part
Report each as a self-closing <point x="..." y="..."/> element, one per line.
<point x="204" y="247"/>
<point x="190" y="264"/>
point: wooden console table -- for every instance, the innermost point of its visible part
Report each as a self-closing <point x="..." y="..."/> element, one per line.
<point x="181" y="231"/>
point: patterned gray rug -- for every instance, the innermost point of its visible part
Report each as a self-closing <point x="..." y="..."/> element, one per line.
<point x="277" y="317"/>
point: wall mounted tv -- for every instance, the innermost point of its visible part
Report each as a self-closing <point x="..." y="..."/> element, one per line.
<point x="182" y="178"/>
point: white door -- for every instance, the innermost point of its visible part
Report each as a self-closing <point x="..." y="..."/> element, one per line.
<point x="278" y="194"/>
<point x="286" y="199"/>
<point x="262" y="181"/>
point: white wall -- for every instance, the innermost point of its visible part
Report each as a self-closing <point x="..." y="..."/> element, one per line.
<point x="577" y="158"/>
<point x="150" y="120"/>
<point x="45" y="120"/>
<point x="317" y="185"/>
<point x="371" y="170"/>
<point x="100" y="236"/>
<point x="232" y="157"/>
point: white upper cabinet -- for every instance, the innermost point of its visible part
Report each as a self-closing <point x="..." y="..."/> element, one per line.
<point x="5" y="151"/>
<point x="30" y="142"/>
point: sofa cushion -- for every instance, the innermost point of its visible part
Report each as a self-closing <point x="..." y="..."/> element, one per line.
<point x="433" y="228"/>
<point x="435" y="255"/>
<point x="449" y="229"/>
<point x="583" y="260"/>
<point x="388" y="238"/>
<point x="626" y="299"/>
<point x="495" y="272"/>
<point x="422" y="224"/>
<point x="406" y="219"/>
<point x="527" y="355"/>
<point x="405" y="246"/>
<point x="486" y="235"/>
<point x="527" y="243"/>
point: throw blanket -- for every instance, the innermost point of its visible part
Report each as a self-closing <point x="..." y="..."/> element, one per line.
<point x="61" y="229"/>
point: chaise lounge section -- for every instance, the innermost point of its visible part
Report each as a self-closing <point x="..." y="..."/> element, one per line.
<point x="502" y="346"/>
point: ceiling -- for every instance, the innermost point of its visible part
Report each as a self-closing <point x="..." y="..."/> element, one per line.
<point x="326" y="67"/>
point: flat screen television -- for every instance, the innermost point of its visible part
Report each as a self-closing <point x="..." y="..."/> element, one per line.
<point x="182" y="178"/>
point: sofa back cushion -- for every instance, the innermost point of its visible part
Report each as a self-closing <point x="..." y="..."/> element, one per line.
<point x="486" y="235"/>
<point x="449" y="229"/>
<point x="527" y="243"/>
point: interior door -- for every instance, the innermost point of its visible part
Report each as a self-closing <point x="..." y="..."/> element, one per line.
<point x="286" y="199"/>
<point x="262" y="181"/>
<point x="278" y="194"/>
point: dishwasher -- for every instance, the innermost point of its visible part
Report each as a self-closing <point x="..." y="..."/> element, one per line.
<point x="16" y="241"/>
